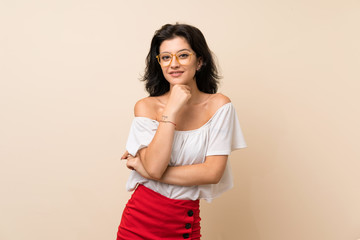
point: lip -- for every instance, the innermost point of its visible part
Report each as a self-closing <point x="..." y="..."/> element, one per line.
<point x="176" y="73"/>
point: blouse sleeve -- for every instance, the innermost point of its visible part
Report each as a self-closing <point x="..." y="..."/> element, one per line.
<point x="142" y="131"/>
<point x="225" y="132"/>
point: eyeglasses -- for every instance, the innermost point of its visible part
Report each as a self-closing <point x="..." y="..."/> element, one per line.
<point x="183" y="57"/>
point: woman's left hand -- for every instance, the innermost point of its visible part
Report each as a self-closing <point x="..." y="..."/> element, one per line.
<point x="134" y="163"/>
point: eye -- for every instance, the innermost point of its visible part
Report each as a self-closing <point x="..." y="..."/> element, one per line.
<point x="165" y="57"/>
<point x="183" y="55"/>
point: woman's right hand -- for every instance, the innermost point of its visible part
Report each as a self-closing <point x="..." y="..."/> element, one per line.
<point x="134" y="163"/>
<point x="179" y="96"/>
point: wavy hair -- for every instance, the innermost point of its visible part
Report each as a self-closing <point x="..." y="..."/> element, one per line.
<point x="207" y="77"/>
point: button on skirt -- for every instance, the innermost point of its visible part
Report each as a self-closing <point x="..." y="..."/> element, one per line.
<point x="149" y="215"/>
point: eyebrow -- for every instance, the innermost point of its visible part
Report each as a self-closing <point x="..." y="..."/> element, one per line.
<point x="179" y="50"/>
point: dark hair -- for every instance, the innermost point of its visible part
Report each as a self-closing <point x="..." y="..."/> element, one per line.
<point x="206" y="78"/>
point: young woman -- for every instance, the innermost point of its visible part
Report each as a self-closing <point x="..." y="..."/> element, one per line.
<point x="179" y="140"/>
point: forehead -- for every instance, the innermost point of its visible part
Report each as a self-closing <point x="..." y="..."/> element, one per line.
<point x="175" y="44"/>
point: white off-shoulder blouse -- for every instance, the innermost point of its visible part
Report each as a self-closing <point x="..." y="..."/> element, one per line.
<point x="219" y="136"/>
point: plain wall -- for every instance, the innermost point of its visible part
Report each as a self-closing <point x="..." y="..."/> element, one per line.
<point x="70" y="72"/>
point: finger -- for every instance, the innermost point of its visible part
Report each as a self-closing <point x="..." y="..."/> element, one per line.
<point x="131" y="168"/>
<point x="129" y="165"/>
<point x="125" y="155"/>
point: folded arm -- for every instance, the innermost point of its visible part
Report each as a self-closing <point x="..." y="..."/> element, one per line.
<point x="156" y="159"/>
<point x="159" y="150"/>
<point x="209" y="172"/>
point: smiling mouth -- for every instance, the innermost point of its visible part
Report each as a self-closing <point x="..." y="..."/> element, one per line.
<point x="176" y="74"/>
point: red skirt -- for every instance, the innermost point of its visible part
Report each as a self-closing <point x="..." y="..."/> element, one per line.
<point x="149" y="215"/>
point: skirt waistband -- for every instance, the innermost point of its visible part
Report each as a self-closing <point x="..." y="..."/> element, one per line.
<point x="193" y="204"/>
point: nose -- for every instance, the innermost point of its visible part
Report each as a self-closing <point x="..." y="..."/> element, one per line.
<point x="174" y="62"/>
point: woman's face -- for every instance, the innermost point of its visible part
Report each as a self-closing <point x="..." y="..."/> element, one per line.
<point x="176" y="72"/>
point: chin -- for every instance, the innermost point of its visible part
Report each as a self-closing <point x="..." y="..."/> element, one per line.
<point x="173" y="80"/>
<point x="180" y="80"/>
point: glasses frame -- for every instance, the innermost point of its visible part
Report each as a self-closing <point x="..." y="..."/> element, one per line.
<point x="172" y="57"/>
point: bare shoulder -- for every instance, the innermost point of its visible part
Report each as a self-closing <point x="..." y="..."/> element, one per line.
<point x="218" y="100"/>
<point x="145" y="107"/>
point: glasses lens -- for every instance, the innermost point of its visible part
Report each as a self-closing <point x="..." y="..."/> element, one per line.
<point x="165" y="59"/>
<point x="183" y="57"/>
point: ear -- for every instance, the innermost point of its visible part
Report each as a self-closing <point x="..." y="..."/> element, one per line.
<point x="199" y="63"/>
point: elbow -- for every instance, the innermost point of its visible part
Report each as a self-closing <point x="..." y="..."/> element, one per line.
<point x="155" y="174"/>
<point x="214" y="178"/>
<point x="154" y="170"/>
<point x="215" y="168"/>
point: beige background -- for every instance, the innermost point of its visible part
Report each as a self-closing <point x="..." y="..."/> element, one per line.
<point x="69" y="80"/>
